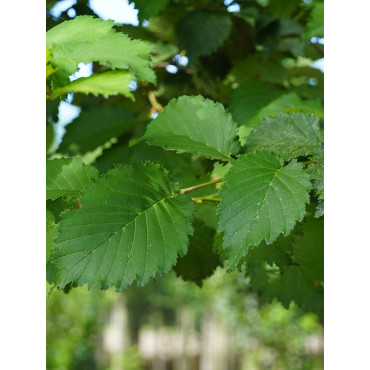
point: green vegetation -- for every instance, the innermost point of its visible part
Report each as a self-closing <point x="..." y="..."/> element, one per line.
<point x="197" y="153"/>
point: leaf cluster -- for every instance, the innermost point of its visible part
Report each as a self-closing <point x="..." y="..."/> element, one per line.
<point x="219" y="165"/>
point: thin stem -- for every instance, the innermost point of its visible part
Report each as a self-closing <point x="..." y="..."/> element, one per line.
<point x="196" y="187"/>
<point x="205" y="199"/>
<point x="154" y="102"/>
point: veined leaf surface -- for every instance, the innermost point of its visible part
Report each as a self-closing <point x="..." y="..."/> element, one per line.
<point x="261" y="199"/>
<point x="67" y="177"/>
<point x="196" y="125"/>
<point x="201" y="33"/>
<point x="289" y="135"/>
<point x="316" y="172"/>
<point x="107" y="83"/>
<point x="86" y="39"/>
<point x="131" y="225"/>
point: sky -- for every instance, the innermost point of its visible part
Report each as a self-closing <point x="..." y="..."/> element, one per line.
<point x="118" y="10"/>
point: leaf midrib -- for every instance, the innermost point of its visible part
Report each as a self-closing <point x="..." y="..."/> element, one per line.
<point x="119" y="230"/>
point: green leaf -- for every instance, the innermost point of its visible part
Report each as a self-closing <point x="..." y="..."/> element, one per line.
<point x="251" y="96"/>
<point x="67" y="177"/>
<point x="86" y="39"/>
<point x="283" y="8"/>
<point x="200" y="261"/>
<point x="291" y="285"/>
<point x="162" y="52"/>
<point x="130" y="226"/>
<point x="185" y="169"/>
<point x="94" y="127"/>
<point x="50" y="138"/>
<point x="50" y="232"/>
<point x="289" y="135"/>
<point x="52" y="108"/>
<point x="117" y="153"/>
<point x="287" y="103"/>
<point x="148" y="9"/>
<point x="288" y="27"/>
<point x="315" y="24"/>
<point x="201" y="33"/>
<point x="300" y="283"/>
<point x="80" y="29"/>
<point x="56" y="207"/>
<point x="196" y="125"/>
<point x="137" y="32"/>
<point x="218" y="247"/>
<point x="275" y="253"/>
<point x="107" y="83"/>
<point x="261" y="199"/>
<point x="293" y="45"/>
<point x="260" y="68"/>
<point x="309" y="249"/>
<point x="316" y="172"/>
<point x="206" y="212"/>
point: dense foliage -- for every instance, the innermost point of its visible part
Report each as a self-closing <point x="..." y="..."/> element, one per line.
<point x="217" y="164"/>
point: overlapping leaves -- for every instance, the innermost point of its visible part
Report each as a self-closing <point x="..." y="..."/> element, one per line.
<point x="195" y="125"/>
<point x="108" y="83"/>
<point x="67" y="177"/>
<point x="315" y="25"/>
<point x="200" y="261"/>
<point x="300" y="282"/>
<point x="86" y="39"/>
<point x="95" y="127"/>
<point x="148" y="9"/>
<point x="253" y="64"/>
<point x="316" y="171"/>
<point x="251" y="96"/>
<point x="201" y="33"/>
<point x="289" y="135"/>
<point x="261" y="199"/>
<point x="131" y="225"/>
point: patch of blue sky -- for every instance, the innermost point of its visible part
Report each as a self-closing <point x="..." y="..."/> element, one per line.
<point x="119" y="11"/>
<point x="133" y="85"/>
<point x="67" y="112"/>
<point x="231" y="6"/>
<point x="181" y="60"/>
<point x="85" y="70"/>
<point x="317" y="40"/>
<point x="170" y="68"/>
<point x="61" y="6"/>
<point x="234" y="8"/>
<point x="319" y="64"/>
<point x="71" y="13"/>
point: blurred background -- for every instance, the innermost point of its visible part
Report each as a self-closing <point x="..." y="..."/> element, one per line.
<point x="172" y="324"/>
